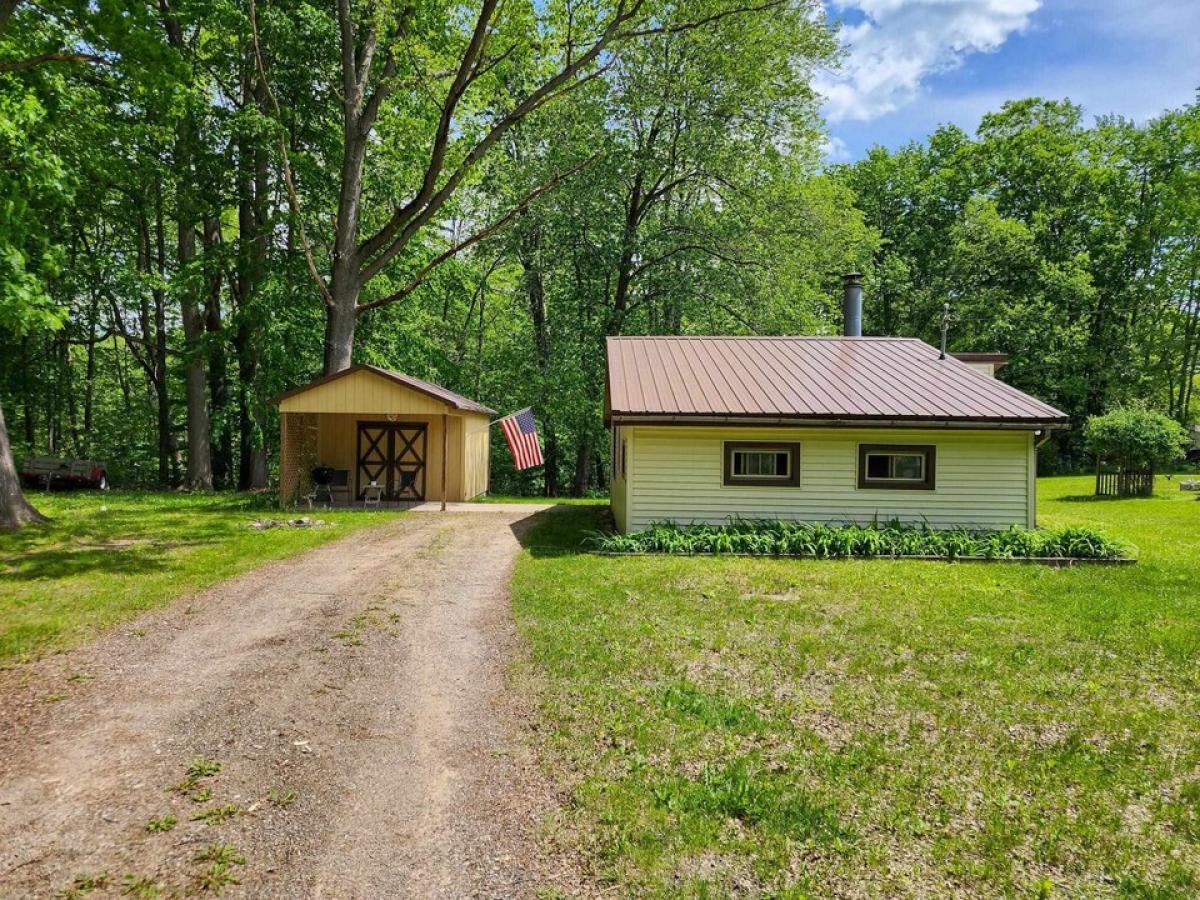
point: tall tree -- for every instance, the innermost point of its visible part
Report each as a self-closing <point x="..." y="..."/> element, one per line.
<point x="33" y="181"/>
<point x="1070" y="246"/>
<point x="449" y="85"/>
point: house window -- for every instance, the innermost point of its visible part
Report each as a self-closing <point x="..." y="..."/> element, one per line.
<point x="896" y="466"/>
<point x="763" y="463"/>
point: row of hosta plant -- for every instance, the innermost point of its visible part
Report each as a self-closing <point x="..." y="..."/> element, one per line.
<point x="779" y="538"/>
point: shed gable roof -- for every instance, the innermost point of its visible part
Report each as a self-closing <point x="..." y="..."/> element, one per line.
<point x="852" y="379"/>
<point x="427" y="388"/>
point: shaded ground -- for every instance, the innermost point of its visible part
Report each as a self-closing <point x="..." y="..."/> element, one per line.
<point x="105" y="557"/>
<point x="353" y="697"/>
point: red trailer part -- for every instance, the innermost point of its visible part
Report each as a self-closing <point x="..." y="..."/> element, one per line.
<point x="46" y="472"/>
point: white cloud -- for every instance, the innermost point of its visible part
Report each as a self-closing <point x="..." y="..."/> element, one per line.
<point x="835" y="150"/>
<point x="898" y="43"/>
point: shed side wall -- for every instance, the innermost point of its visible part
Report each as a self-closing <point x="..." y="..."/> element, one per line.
<point x="983" y="478"/>
<point x="476" y="435"/>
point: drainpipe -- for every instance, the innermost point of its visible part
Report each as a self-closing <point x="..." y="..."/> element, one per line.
<point x="445" y="455"/>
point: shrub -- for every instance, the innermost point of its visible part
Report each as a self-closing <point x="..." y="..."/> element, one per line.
<point x="780" y="538"/>
<point x="1135" y="437"/>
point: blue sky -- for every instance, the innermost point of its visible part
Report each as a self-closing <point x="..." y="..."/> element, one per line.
<point x="913" y="64"/>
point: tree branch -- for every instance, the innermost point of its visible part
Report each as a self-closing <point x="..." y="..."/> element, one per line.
<point x="390" y="239"/>
<point x="441" y="139"/>
<point x="349" y="72"/>
<point x="700" y="23"/>
<point x="475" y="238"/>
<point x="7" y="9"/>
<point x="32" y="62"/>
<point x="684" y="248"/>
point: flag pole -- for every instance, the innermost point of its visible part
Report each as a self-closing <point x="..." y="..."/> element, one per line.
<point x="445" y="454"/>
<point x="510" y="415"/>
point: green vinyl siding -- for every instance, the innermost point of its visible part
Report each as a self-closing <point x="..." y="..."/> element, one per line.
<point x="983" y="478"/>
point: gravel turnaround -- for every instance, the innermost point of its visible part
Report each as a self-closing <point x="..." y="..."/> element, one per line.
<point x="355" y="698"/>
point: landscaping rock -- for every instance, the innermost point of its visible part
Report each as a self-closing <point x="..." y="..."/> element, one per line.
<point x="302" y="522"/>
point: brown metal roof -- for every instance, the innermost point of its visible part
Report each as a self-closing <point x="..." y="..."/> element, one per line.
<point x="428" y="388"/>
<point x="843" y="379"/>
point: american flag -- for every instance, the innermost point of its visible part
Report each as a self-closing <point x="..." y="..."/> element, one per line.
<point x="521" y="433"/>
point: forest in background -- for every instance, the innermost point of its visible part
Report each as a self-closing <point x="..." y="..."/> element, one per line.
<point x="207" y="202"/>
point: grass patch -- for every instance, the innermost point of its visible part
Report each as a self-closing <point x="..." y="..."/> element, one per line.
<point x="105" y="557"/>
<point x="217" y="873"/>
<point x="894" y="728"/>
<point x="780" y="538"/>
<point x="84" y="885"/>
<point x="165" y="823"/>
<point x="197" y="769"/>
<point x="200" y="767"/>
<point x="281" y="797"/>
<point x="140" y="888"/>
<point x="224" y="854"/>
<point x="216" y="815"/>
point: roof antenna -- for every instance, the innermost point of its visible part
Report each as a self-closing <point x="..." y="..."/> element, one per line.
<point x="945" y="327"/>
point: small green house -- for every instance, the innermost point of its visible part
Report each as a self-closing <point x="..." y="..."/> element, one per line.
<point x="822" y="429"/>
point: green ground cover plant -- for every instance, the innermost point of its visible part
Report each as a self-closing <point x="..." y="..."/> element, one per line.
<point x="105" y="557"/>
<point x="779" y="538"/>
<point x="734" y="726"/>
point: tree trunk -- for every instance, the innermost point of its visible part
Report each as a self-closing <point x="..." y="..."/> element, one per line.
<point x="341" y="315"/>
<point x="29" y="401"/>
<point x="252" y="455"/>
<point x="89" y="387"/>
<point x="66" y="390"/>
<point x="345" y="283"/>
<point x="15" y="510"/>
<point x="253" y="229"/>
<point x="199" y="428"/>
<point x="340" y="321"/>
<point x="535" y="292"/>
<point x="220" y="434"/>
<point x="550" y="469"/>
<point x="167" y="463"/>
<point x="583" y="467"/>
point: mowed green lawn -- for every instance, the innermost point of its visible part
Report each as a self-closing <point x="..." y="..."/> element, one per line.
<point x="107" y="556"/>
<point x="876" y="728"/>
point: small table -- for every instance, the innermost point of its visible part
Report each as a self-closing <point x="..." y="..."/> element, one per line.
<point x="372" y="494"/>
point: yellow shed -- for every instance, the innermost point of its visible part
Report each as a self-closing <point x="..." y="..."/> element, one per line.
<point x="406" y="439"/>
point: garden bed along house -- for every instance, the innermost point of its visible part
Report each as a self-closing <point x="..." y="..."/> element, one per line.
<point x="893" y="540"/>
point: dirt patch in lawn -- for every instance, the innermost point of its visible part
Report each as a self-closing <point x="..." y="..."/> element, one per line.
<point x="335" y="725"/>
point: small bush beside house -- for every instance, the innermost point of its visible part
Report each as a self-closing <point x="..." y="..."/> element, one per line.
<point x="784" y="538"/>
<point x="1134" y="440"/>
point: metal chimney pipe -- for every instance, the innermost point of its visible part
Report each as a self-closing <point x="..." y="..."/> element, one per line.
<point x="852" y="300"/>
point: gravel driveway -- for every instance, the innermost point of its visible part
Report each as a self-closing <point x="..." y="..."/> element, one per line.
<point x="355" y="700"/>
